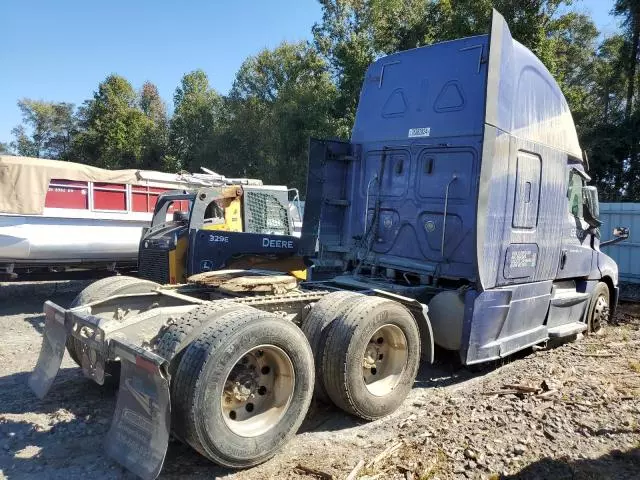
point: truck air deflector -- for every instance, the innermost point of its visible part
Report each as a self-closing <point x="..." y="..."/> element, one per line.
<point x="522" y="97"/>
<point x="405" y="200"/>
<point x="529" y="135"/>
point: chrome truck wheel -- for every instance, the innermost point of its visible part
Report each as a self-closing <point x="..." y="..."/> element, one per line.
<point x="598" y="312"/>
<point x="258" y="391"/>
<point x="371" y="358"/>
<point x="385" y="358"/>
<point x="243" y="387"/>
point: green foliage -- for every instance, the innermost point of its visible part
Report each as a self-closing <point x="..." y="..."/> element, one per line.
<point x="112" y="126"/>
<point x="355" y="32"/>
<point x="602" y="116"/>
<point x="51" y="124"/>
<point x="22" y="143"/>
<point x="155" y="135"/>
<point x="345" y="37"/>
<point x="629" y="12"/>
<point x="609" y="128"/>
<point x="4" y="149"/>
<point x="279" y="99"/>
<point x="194" y="123"/>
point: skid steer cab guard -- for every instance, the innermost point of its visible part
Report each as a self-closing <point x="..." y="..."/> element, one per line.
<point x="219" y="227"/>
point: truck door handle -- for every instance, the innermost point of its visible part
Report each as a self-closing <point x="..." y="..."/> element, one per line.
<point x="563" y="259"/>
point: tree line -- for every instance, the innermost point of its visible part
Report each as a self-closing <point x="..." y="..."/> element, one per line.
<point x="282" y="96"/>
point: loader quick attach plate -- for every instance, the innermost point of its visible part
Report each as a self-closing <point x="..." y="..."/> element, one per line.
<point x="139" y="433"/>
<point x="54" y="338"/>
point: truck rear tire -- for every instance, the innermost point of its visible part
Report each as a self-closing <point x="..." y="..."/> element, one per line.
<point x="101" y="289"/>
<point x="371" y="358"/>
<point x="315" y="327"/>
<point x="243" y="387"/>
<point x="176" y="337"/>
<point x="599" y="309"/>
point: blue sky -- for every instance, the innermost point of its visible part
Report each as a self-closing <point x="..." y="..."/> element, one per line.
<point x="61" y="50"/>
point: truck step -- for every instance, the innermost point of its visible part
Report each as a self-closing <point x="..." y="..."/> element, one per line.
<point x="567" y="330"/>
<point x="568" y="299"/>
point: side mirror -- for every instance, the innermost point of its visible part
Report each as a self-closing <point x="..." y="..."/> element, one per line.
<point x="620" y="234"/>
<point x="591" y="210"/>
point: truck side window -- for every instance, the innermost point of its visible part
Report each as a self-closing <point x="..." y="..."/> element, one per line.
<point x="574" y="194"/>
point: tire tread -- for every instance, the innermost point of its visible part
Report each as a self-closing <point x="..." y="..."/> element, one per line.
<point x="315" y="327"/>
<point x="191" y="368"/>
<point x="337" y="356"/>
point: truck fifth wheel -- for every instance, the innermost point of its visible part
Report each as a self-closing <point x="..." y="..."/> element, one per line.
<point x="458" y="215"/>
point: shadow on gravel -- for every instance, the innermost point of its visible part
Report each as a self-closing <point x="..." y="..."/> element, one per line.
<point x="80" y="412"/>
<point x="616" y="464"/>
<point x="33" y="305"/>
<point x="31" y="308"/>
<point x="36" y="321"/>
<point x="445" y="372"/>
<point x="70" y="389"/>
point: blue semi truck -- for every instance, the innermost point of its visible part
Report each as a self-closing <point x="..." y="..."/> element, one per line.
<point x="457" y="216"/>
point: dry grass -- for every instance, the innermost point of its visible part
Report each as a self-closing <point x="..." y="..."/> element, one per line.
<point x="438" y="466"/>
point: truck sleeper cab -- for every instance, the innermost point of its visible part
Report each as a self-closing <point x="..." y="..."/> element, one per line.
<point x="455" y="216"/>
<point x="463" y="187"/>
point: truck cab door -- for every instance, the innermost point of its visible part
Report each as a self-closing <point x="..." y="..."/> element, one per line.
<point x="576" y="253"/>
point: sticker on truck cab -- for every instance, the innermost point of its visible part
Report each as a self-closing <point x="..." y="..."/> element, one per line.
<point x="521" y="260"/>
<point x="419" y="132"/>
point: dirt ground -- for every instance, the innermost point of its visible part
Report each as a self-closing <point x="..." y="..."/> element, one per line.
<point x="569" y="412"/>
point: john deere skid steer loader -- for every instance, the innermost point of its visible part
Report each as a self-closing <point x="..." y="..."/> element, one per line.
<point x="224" y="227"/>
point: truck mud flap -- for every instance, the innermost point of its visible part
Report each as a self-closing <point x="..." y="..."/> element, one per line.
<point x="54" y="338"/>
<point x="139" y="433"/>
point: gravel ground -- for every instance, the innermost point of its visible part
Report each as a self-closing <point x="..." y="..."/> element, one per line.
<point x="569" y="412"/>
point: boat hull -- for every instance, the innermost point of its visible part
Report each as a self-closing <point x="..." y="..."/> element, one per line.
<point x="51" y="241"/>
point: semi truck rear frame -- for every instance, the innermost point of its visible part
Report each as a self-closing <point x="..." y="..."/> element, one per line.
<point x="135" y="328"/>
